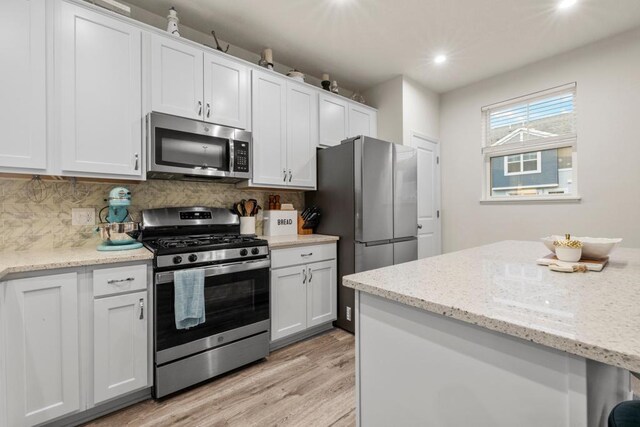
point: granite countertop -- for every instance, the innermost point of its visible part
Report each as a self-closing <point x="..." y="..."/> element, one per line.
<point x="499" y="287"/>
<point x="20" y="262"/>
<point x="278" y="242"/>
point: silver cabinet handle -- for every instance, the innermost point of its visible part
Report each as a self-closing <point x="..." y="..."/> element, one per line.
<point x="208" y="110"/>
<point x="199" y="108"/>
<point x="419" y="226"/>
<point x="306" y="255"/>
<point x="284" y="171"/>
<point x="135" y="167"/>
<point x="290" y="175"/>
<point x="141" y="308"/>
<point x="304" y="276"/>
<point x="114" y="281"/>
<point x="310" y="275"/>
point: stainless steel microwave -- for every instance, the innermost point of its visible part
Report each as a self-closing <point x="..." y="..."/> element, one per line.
<point x="189" y="149"/>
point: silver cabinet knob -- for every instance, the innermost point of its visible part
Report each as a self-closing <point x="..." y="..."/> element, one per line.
<point x="284" y="171"/>
<point x="419" y="226"/>
<point x="208" y="110"/>
<point x="199" y="108"/>
<point x="141" y="308"/>
<point x="290" y="175"/>
<point x="304" y="276"/>
<point x="135" y="167"/>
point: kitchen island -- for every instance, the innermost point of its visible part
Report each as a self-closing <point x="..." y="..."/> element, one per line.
<point x="486" y="337"/>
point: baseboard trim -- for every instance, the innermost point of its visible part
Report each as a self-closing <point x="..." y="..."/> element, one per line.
<point x="308" y="333"/>
<point x="102" y="409"/>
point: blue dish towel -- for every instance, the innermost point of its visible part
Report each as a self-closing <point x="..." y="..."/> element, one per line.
<point x="189" y="298"/>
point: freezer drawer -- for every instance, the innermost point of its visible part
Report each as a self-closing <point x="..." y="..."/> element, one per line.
<point x="405" y="191"/>
<point x="405" y="251"/>
<point x="373" y="179"/>
<point x="373" y="256"/>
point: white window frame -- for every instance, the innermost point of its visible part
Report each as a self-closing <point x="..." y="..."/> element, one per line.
<point x="538" y="168"/>
<point x="565" y="141"/>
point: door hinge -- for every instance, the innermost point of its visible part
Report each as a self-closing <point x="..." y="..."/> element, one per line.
<point x="437" y="160"/>
<point x="437" y="214"/>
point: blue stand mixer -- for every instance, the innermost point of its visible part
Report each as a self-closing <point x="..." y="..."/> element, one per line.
<point x="116" y="229"/>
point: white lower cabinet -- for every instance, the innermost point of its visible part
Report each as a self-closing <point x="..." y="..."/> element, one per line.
<point x="303" y="294"/>
<point x="120" y="345"/>
<point x="42" y="348"/>
<point x="288" y="302"/>
<point x="321" y="293"/>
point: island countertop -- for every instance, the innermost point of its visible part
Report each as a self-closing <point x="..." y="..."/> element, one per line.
<point x="595" y="315"/>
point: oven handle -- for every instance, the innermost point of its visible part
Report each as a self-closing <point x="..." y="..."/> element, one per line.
<point x="216" y="270"/>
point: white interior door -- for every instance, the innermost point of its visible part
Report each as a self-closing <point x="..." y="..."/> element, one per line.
<point x="429" y="230"/>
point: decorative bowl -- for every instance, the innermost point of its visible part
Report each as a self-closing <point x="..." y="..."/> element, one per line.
<point x="118" y="233"/>
<point x="592" y="247"/>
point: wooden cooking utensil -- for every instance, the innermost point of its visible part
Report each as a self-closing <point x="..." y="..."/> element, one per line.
<point x="249" y="205"/>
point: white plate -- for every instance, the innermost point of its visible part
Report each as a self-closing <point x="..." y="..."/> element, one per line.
<point x="593" y="247"/>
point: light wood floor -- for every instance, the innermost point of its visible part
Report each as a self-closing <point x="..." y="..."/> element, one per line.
<point x="311" y="383"/>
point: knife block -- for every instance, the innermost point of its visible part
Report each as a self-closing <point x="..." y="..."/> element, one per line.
<point x="302" y="230"/>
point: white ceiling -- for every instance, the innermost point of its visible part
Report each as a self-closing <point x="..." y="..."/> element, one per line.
<point x="364" y="42"/>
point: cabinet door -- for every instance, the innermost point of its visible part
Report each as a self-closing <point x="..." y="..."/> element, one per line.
<point x="225" y="91"/>
<point x="100" y="117"/>
<point x="269" y="129"/>
<point x="120" y="345"/>
<point x="321" y="293"/>
<point x="22" y="92"/>
<point x="334" y="120"/>
<point x="302" y="135"/>
<point x="362" y="121"/>
<point x="288" y="301"/>
<point x="42" y="341"/>
<point x="176" y="78"/>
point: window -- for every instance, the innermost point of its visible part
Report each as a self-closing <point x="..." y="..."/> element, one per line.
<point x="530" y="146"/>
<point x="521" y="164"/>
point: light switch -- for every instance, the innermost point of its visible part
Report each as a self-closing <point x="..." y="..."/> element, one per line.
<point x="83" y="216"/>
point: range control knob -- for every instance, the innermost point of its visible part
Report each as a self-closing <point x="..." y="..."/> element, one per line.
<point x="255" y="251"/>
<point x="177" y="259"/>
<point x="193" y="258"/>
<point x="244" y="252"/>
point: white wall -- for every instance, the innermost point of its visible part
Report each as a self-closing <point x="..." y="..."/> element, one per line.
<point x="387" y="98"/>
<point x="420" y="110"/>
<point x="608" y="92"/>
<point x="404" y="106"/>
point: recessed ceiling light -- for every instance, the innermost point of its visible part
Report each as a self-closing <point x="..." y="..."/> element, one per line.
<point x="566" y="4"/>
<point x="440" y="59"/>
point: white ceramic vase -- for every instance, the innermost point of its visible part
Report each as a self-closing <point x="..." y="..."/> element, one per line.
<point x="247" y="225"/>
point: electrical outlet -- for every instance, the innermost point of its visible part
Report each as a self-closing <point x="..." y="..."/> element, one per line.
<point x="349" y="313"/>
<point x="83" y="216"/>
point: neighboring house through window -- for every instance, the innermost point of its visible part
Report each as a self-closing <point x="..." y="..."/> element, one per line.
<point x="530" y="147"/>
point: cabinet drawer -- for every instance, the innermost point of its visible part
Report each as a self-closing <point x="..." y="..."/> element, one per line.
<point x="302" y="255"/>
<point x="107" y="281"/>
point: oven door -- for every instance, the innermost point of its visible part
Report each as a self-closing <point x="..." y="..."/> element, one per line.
<point x="189" y="147"/>
<point x="236" y="298"/>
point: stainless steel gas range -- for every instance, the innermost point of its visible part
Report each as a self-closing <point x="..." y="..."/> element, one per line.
<point x="236" y="294"/>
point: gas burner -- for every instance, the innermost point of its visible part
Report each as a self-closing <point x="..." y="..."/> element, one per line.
<point x="199" y="241"/>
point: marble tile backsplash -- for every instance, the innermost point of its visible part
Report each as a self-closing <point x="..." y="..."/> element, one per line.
<point x="37" y="214"/>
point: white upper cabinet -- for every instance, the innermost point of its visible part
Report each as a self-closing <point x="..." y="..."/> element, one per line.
<point x="176" y="78"/>
<point x="285" y="132"/>
<point x="22" y="92"/>
<point x="42" y="364"/>
<point x="98" y="72"/>
<point x="302" y="135"/>
<point x="226" y="91"/>
<point x="362" y="121"/>
<point x="334" y="120"/>
<point x="269" y="129"/>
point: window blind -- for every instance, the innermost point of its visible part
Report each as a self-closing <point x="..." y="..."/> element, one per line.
<point x="550" y="115"/>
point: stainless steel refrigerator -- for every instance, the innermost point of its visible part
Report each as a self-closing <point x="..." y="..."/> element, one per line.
<point x="367" y="190"/>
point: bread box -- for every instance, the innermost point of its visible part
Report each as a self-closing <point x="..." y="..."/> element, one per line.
<point x="280" y="223"/>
